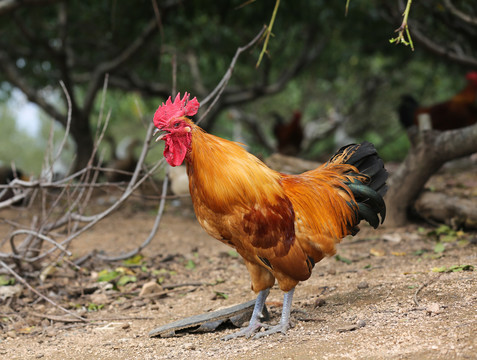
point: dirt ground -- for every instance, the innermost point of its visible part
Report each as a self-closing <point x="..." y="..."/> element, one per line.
<point x="383" y="281"/>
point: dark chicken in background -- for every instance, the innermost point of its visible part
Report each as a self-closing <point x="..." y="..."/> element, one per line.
<point x="458" y="112"/>
<point x="281" y="225"/>
<point x="289" y="135"/>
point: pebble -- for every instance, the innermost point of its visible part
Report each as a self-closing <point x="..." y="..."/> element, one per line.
<point x="320" y="303"/>
<point x="361" y="323"/>
<point x="363" y="285"/>
<point x="188" y="346"/>
<point x="151" y="287"/>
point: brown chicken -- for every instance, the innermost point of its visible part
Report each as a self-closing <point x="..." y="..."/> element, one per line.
<point x="281" y="225"/>
<point x="458" y="112"/>
<point x="289" y="135"/>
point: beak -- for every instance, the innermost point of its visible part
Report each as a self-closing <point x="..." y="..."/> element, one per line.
<point x="161" y="136"/>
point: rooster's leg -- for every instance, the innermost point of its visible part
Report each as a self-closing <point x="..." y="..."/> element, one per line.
<point x="254" y="323"/>
<point x="284" y="324"/>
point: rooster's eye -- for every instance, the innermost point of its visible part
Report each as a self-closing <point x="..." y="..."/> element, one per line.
<point x="176" y="125"/>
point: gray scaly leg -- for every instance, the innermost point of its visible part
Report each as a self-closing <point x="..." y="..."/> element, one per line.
<point x="254" y="324"/>
<point x="284" y="324"/>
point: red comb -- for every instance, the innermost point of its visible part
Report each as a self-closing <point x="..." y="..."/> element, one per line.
<point x="472" y="76"/>
<point x="176" y="109"/>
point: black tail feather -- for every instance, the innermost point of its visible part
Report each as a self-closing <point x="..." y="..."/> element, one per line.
<point x="369" y="214"/>
<point x="369" y="193"/>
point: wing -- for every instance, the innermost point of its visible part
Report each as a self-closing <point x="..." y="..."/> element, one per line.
<point x="299" y="228"/>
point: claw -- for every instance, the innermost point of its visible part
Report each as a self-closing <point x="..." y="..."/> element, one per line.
<point x="247" y="332"/>
<point x="254" y="324"/>
<point x="273" y="330"/>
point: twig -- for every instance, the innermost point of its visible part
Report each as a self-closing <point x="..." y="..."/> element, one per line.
<point x="174" y="286"/>
<point x="23" y="281"/>
<point x="55" y="318"/>
<point x="459" y="14"/>
<point x="69" y="320"/>
<point x="404" y="28"/>
<point x="35" y="234"/>
<point x="422" y="287"/>
<point x="154" y="228"/>
<point x="269" y="32"/>
<point x="225" y="79"/>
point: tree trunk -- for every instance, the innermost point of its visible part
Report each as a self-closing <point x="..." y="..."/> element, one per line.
<point x="83" y="138"/>
<point x="430" y="149"/>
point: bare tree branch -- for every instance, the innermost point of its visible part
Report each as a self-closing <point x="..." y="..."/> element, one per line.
<point x="459" y="14"/>
<point x="113" y="64"/>
<point x="440" y="50"/>
<point x="253" y="124"/>
<point x="13" y="76"/>
<point x="225" y="79"/>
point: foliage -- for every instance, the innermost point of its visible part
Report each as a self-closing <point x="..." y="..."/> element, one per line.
<point x="358" y="73"/>
<point x="454" y="268"/>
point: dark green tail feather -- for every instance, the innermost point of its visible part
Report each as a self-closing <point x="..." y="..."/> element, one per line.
<point x="369" y="196"/>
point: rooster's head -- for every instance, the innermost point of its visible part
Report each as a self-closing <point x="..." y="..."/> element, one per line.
<point x="170" y="118"/>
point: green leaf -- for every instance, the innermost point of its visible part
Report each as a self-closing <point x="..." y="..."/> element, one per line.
<point x="135" y="260"/>
<point x="221" y="295"/>
<point x="448" y="238"/>
<point x="454" y="268"/>
<point x="343" y="259"/>
<point x="439" y="269"/>
<point x="445" y="229"/>
<point x="125" y="279"/>
<point x="190" y="265"/>
<point x="439" y="248"/>
<point x="233" y="253"/>
<point x="6" y="280"/>
<point x="419" y="252"/>
<point x="95" y="307"/>
<point x="422" y="231"/>
<point x="107" y="275"/>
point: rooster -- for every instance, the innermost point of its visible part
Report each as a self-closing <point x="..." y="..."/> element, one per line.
<point x="281" y="225"/>
<point x="458" y="112"/>
<point x="289" y="135"/>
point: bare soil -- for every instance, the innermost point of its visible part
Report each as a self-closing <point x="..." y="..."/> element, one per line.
<point x="383" y="281"/>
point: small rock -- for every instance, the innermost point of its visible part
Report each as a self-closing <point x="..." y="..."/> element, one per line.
<point x="99" y="298"/>
<point x="189" y="346"/>
<point x="10" y="291"/>
<point x="150" y="287"/>
<point x="11" y="334"/>
<point x="320" y="303"/>
<point x="347" y="328"/>
<point x="433" y="308"/>
<point x="363" y="285"/>
<point x="361" y="323"/>
<point x="125" y="326"/>
<point x="138" y="303"/>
